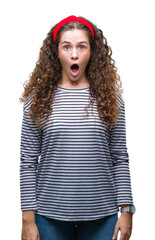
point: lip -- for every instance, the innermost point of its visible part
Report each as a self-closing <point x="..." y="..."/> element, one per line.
<point x="74" y="73"/>
<point x="74" y="64"/>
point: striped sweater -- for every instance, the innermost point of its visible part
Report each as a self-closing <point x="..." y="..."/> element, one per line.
<point x="74" y="169"/>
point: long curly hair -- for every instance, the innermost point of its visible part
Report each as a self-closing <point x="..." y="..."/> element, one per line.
<point x="101" y="72"/>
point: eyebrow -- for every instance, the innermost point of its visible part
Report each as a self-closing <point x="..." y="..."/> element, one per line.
<point x="70" y="42"/>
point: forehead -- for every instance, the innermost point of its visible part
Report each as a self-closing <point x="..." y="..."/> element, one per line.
<point x="74" y="35"/>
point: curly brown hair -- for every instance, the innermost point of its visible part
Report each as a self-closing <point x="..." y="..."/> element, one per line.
<point x="101" y="72"/>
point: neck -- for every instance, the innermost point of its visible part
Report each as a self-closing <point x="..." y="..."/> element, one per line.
<point x="67" y="83"/>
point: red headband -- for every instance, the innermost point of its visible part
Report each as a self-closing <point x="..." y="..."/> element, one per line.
<point x="71" y="18"/>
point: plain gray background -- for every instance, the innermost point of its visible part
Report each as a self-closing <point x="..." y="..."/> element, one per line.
<point x="129" y="29"/>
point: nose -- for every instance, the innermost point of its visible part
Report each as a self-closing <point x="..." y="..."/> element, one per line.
<point x="74" y="54"/>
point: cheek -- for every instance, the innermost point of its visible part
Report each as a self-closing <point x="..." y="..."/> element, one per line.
<point x="63" y="62"/>
<point x="63" y="58"/>
<point x="86" y="59"/>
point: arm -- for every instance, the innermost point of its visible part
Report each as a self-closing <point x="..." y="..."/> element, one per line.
<point x="29" y="228"/>
<point x="124" y="225"/>
<point x="29" y="152"/>
<point x="120" y="159"/>
<point x="121" y="173"/>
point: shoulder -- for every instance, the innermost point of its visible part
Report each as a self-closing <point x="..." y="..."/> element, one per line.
<point x="120" y="99"/>
<point x="28" y="102"/>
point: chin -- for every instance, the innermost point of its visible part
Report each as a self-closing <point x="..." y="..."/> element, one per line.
<point x="76" y="79"/>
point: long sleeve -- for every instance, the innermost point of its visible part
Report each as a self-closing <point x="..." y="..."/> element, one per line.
<point x="120" y="158"/>
<point x="30" y="150"/>
<point x="74" y="169"/>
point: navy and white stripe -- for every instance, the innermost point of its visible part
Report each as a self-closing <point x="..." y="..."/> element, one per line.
<point x="74" y="169"/>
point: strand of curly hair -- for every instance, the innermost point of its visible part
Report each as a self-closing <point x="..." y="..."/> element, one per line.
<point x="101" y="73"/>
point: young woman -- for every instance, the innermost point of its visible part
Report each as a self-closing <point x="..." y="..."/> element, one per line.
<point x="74" y="162"/>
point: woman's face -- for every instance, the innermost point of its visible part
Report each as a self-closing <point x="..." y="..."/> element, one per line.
<point x="74" y="54"/>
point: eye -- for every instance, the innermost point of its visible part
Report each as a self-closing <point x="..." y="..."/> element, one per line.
<point x="66" y="47"/>
<point x="81" y="46"/>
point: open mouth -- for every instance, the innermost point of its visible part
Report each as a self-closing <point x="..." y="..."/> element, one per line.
<point x="75" y="68"/>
